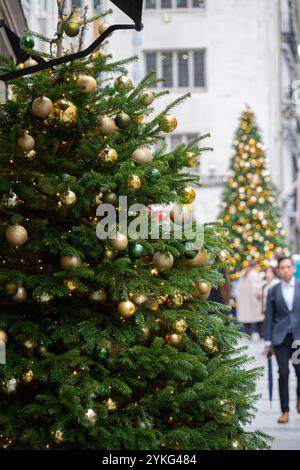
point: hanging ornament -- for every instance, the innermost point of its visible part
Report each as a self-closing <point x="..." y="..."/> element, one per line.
<point x="204" y="288"/>
<point x="191" y="159"/>
<point x="109" y="254"/>
<point x="153" y="304"/>
<point x="146" y="331"/>
<point x="86" y="84"/>
<point x="30" y="155"/>
<point x="98" y="296"/>
<point x="99" y="54"/>
<point x="29" y="345"/>
<point x="174" y="340"/>
<point x="69" y="198"/>
<point x="27" y="41"/>
<point x="64" y="112"/>
<point x="154" y="176"/>
<point x="120" y="242"/>
<point x="141" y="156"/>
<point x="10" y="289"/>
<point x="3" y="336"/>
<point x="91" y="415"/>
<point x="210" y="344"/>
<point x="26" y="142"/>
<point x="110" y="198"/>
<point x="126" y="309"/>
<point x="163" y="262"/>
<point x="146" y="97"/>
<point x="137" y="118"/>
<point x="179" y="326"/>
<point x="224" y="256"/>
<point x="111" y="404"/>
<point x="10" y="385"/>
<point x="9" y="200"/>
<point x="20" y="296"/>
<point x="200" y="260"/>
<point x="123" y="84"/>
<point x="58" y="435"/>
<point x="106" y="126"/>
<point x="138" y="299"/>
<point x="71" y="29"/>
<point x="103" y="354"/>
<point x="70" y="284"/>
<point x="42" y="107"/>
<point x="168" y="123"/>
<point x="228" y="408"/>
<point x="135" y="250"/>
<point x="180" y="214"/>
<point x="162" y="299"/>
<point x="28" y="376"/>
<point x="43" y="298"/>
<point x="175" y="301"/>
<point x="16" y="235"/>
<point x="122" y="120"/>
<point x="189" y="195"/>
<point x="133" y="182"/>
<point x="108" y="156"/>
<point x="103" y="25"/>
<point x="30" y="62"/>
<point x="70" y="262"/>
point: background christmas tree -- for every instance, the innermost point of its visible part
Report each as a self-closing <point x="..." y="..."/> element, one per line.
<point x="110" y="345"/>
<point x="250" y="205"/>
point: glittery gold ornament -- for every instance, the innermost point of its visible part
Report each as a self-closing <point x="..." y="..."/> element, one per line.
<point x="126" y="309"/>
<point x="189" y="195"/>
<point x="163" y="262"/>
<point x="103" y="26"/>
<point x="42" y="107"/>
<point x="123" y="84"/>
<point x="201" y="259"/>
<point x="20" y="296"/>
<point x="141" y="156"/>
<point x="133" y="182"/>
<point x="64" y="112"/>
<point x="191" y="159"/>
<point x="26" y="142"/>
<point x="108" y="156"/>
<point x="70" y="284"/>
<point x="179" y="326"/>
<point x="98" y="295"/>
<point x="69" y="198"/>
<point x="16" y="235"/>
<point x="58" y="435"/>
<point x="146" y="97"/>
<point x="28" y="376"/>
<point x="120" y="242"/>
<point x="168" y="123"/>
<point x="91" y="415"/>
<point x="210" y="344"/>
<point x="138" y="299"/>
<point x="72" y="29"/>
<point x="228" y="408"/>
<point x="174" y="340"/>
<point x="43" y="298"/>
<point x="106" y="126"/>
<point x="137" y="118"/>
<point x="3" y="336"/>
<point x="175" y="301"/>
<point x="86" y="84"/>
<point x="111" y="404"/>
<point x="30" y="155"/>
<point x="9" y="200"/>
<point x="224" y="256"/>
<point x="204" y="288"/>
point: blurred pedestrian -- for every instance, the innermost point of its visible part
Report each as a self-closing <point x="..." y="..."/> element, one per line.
<point x="283" y="330"/>
<point x="271" y="279"/>
<point x="248" y="298"/>
<point x="222" y="293"/>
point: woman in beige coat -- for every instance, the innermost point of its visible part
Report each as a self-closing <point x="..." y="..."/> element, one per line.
<point x="249" y="299"/>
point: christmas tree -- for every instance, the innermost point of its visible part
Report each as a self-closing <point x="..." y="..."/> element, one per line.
<point x="110" y="344"/>
<point x="250" y="206"/>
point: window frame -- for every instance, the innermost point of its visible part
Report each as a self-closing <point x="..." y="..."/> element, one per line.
<point x="190" y="6"/>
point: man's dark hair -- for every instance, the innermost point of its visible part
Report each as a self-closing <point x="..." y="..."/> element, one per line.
<point x="283" y="258"/>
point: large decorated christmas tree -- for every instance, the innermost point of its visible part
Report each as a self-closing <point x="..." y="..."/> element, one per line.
<point x="250" y="208"/>
<point x="110" y="344"/>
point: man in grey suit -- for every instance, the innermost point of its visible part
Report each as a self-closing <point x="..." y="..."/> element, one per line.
<point x="282" y="330"/>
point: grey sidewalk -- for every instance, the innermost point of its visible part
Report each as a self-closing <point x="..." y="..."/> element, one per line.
<point x="287" y="436"/>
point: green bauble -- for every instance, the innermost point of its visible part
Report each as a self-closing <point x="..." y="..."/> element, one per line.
<point x="109" y="254"/>
<point x="27" y="41"/>
<point x="136" y="250"/>
<point x="154" y="176"/>
<point x="102" y="353"/>
<point x="72" y="29"/>
<point x="122" y="120"/>
<point x="10" y="289"/>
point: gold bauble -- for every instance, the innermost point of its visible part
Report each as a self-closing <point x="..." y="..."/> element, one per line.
<point x="20" y="296"/>
<point x="120" y="242"/>
<point x="42" y="107"/>
<point x="30" y="62"/>
<point x="30" y="155"/>
<point x="210" y="344"/>
<point x="28" y="376"/>
<point x="146" y="97"/>
<point x="111" y="404"/>
<point x="174" y="340"/>
<point x="9" y="200"/>
<point x="191" y="159"/>
<point x="99" y="54"/>
<point x="103" y="26"/>
<point x="133" y="182"/>
<point x="91" y="415"/>
<point x="180" y="214"/>
<point x="141" y="156"/>
<point x="71" y="285"/>
<point x="123" y="84"/>
<point x="228" y="408"/>
<point x="58" y="436"/>
<point x="204" y="288"/>
<point x="137" y="118"/>
<point x="64" y="112"/>
<point x="175" y="301"/>
<point x="162" y="299"/>
<point x="69" y="198"/>
<point x="163" y="262"/>
<point x="200" y="260"/>
<point x="86" y="84"/>
<point x="26" y="142"/>
<point x="126" y="309"/>
<point x="98" y="295"/>
<point x="106" y="125"/>
<point x="16" y="235"/>
<point x="138" y="299"/>
<point x="109" y="254"/>
<point x="108" y="156"/>
<point x="43" y="298"/>
<point x="3" y="336"/>
<point x="189" y="195"/>
<point x="153" y="304"/>
<point x="29" y="344"/>
<point x="179" y="326"/>
<point x="168" y="123"/>
<point x="72" y="29"/>
<point x="70" y="262"/>
<point x="146" y="331"/>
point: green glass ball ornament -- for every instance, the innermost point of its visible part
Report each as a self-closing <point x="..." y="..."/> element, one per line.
<point x="103" y="354"/>
<point x="122" y="120"/>
<point x="72" y="29"/>
<point x="154" y="175"/>
<point x="136" y="250"/>
<point x="27" y="41"/>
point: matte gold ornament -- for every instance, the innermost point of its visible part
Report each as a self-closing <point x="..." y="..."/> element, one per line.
<point x="70" y="284"/>
<point x="28" y="376"/>
<point x="20" y="296"/>
<point x="126" y="309"/>
<point x="30" y="155"/>
<point x="122" y="120"/>
<point x="189" y="195"/>
<point x="200" y="260"/>
<point x="3" y="336"/>
<point x="163" y="262"/>
<point x="58" y="436"/>
<point x="120" y="242"/>
<point x="70" y="262"/>
<point x="30" y="62"/>
<point x="108" y="156"/>
<point x="69" y="198"/>
<point x="138" y="299"/>
<point x="174" y="340"/>
<point x="146" y="331"/>
<point x="175" y="301"/>
<point x="72" y="29"/>
<point x="106" y="126"/>
<point x="133" y="182"/>
<point x="26" y="142"/>
<point x="16" y="235"/>
<point x="141" y="156"/>
<point x="123" y="84"/>
<point x="86" y="84"/>
<point x="168" y="123"/>
<point x="64" y="112"/>
<point x="98" y="296"/>
<point x="42" y="107"/>
<point x="204" y="288"/>
<point x="103" y="25"/>
<point x="180" y="214"/>
<point x="179" y="326"/>
<point x="111" y="404"/>
<point x="91" y="415"/>
<point x="146" y="97"/>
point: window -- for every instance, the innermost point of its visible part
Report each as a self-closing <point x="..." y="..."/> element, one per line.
<point x="76" y="3"/>
<point x="153" y="4"/>
<point x="180" y="69"/>
<point x="97" y="5"/>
